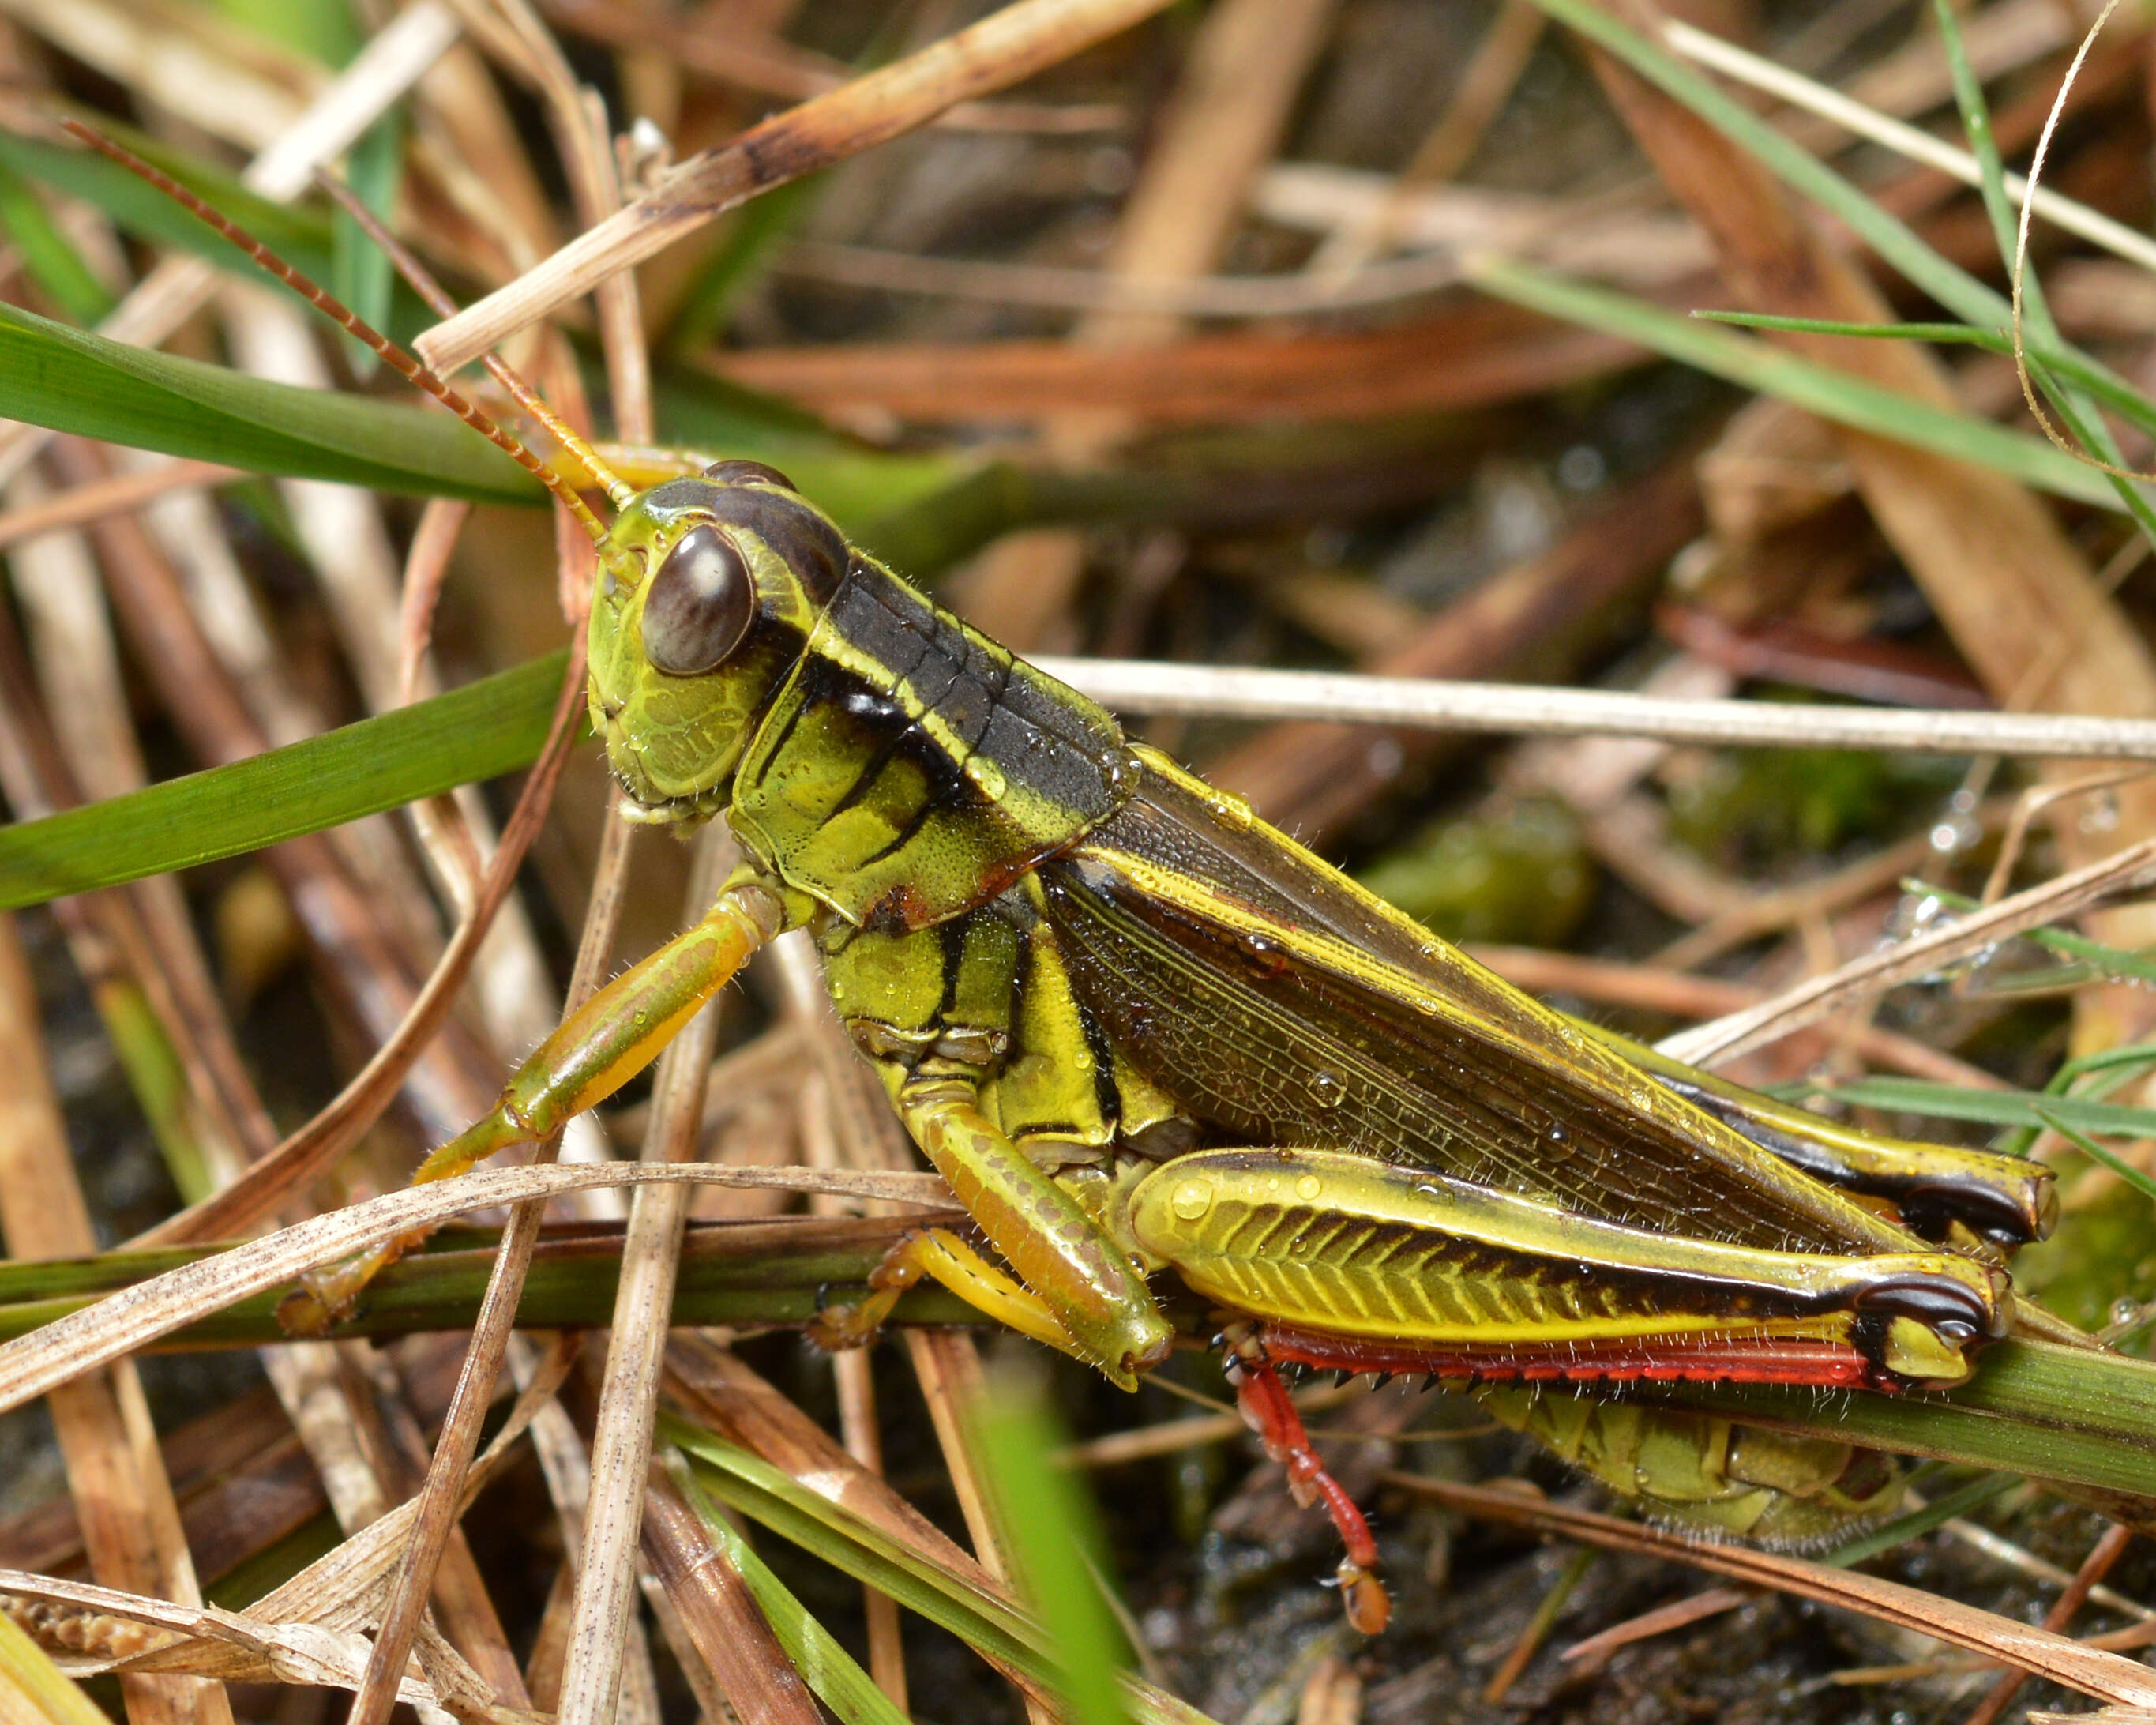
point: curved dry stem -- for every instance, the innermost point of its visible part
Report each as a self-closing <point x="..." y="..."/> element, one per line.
<point x="2021" y="262"/>
<point x="2108" y="1677"/>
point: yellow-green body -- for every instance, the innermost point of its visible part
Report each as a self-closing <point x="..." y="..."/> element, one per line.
<point x="1139" y="1031"/>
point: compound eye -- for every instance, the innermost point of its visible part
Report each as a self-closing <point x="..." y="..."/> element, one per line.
<point x="699" y="606"/>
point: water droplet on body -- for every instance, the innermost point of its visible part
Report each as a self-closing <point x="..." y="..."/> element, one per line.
<point x="1230" y="810"/>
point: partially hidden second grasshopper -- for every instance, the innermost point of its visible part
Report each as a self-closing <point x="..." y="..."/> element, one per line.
<point x="1144" y="1036"/>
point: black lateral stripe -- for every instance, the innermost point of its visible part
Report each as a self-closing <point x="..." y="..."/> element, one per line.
<point x="873" y="770"/>
<point x="810" y="697"/>
<point x="985" y="703"/>
<point x="906" y="835"/>
<point x="1105" y="1096"/>
<point x="953" y="935"/>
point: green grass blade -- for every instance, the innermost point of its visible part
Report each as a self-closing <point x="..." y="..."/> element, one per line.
<point x="2088" y="1146"/>
<point x="481" y="731"/>
<point x="1984" y="146"/>
<point x="1918" y="1523"/>
<point x="361" y="273"/>
<point x="770" y="1274"/>
<point x="2123" y="1061"/>
<point x="1053" y="1533"/>
<point x="1893" y="239"/>
<point x="2129" y="405"/>
<point x="736" y="260"/>
<point x="752" y="1486"/>
<point x="298" y="233"/>
<point x="764" y="1494"/>
<point x="2034" y="1408"/>
<point x="1802" y="383"/>
<point x="824" y="1665"/>
<point x="53" y="263"/>
<point x="73" y="381"/>
<point x="2107" y="960"/>
<point x="1993" y="1107"/>
<point x="1940" y="332"/>
<point x="2038" y="328"/>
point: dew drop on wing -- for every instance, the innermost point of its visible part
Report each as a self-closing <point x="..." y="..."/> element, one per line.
<point x="1230" y="810"/>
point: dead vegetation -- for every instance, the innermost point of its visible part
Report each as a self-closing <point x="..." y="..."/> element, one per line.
<point x="1230" y="333"/>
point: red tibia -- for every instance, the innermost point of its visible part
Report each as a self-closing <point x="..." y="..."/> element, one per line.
<point x="1272" y="1416"/>
<point x="1717" y="1360"/>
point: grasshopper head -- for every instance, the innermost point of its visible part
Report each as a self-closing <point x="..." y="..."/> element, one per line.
<point x="707" y="590"/>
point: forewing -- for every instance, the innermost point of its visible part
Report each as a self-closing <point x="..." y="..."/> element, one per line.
<point x="1276" y="1001"/>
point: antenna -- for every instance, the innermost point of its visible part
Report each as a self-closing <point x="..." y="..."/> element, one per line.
<point x="422" y="283"/>
<point x="349" y="320"/>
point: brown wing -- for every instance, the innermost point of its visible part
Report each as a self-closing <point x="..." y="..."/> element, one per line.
<point x="1276" y="999"/>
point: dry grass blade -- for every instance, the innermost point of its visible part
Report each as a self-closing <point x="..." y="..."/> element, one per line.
<point x="231" y="84"/>
<point x="724" y="1395"/>
<point x="628" y="1397"/>
<point x="2042" y="1652"/>
<point x="1725" y="1037"/>
<point x="130" y="1521"/>
<point x="724" y="1624"/>
<point x="1001" y="50"/>
<point x="266" y="1185"/>
<point x="116" y="1327"/>
<point x="1458" y="357"/>
<point x="1124" y="293"/>
<point x="308" y="1630"/>
<point x="2106" y="1552"/>
<point x="84" y="504"/>
<point x="1137" y="685"/>
<point x="845" y="1124"/>
<point x="579" y="126"/>
<point x="1652" y="988"/>
<point x="1919" y="146"/>
<point x="106" y="1628"/>
<point x="721" y="47"/>
<point x="376" y="77"/>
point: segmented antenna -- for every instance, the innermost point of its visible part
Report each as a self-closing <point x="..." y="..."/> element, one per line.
<point x="349" y="320"/>
<point x="422" y="283"/>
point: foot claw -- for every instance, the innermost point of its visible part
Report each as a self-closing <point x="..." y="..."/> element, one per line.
<point x="1368" y="1606"/>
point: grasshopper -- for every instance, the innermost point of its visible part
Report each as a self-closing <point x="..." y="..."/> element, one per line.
<point x="1145" y="1037"/>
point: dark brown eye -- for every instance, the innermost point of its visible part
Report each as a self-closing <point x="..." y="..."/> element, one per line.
<point x="699" y="606"/>
<point x="743" y="473"/>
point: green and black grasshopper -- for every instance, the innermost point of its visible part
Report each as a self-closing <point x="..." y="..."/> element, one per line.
<point x="1144" y="1036"/>
<point x="1140" y="1032"/>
